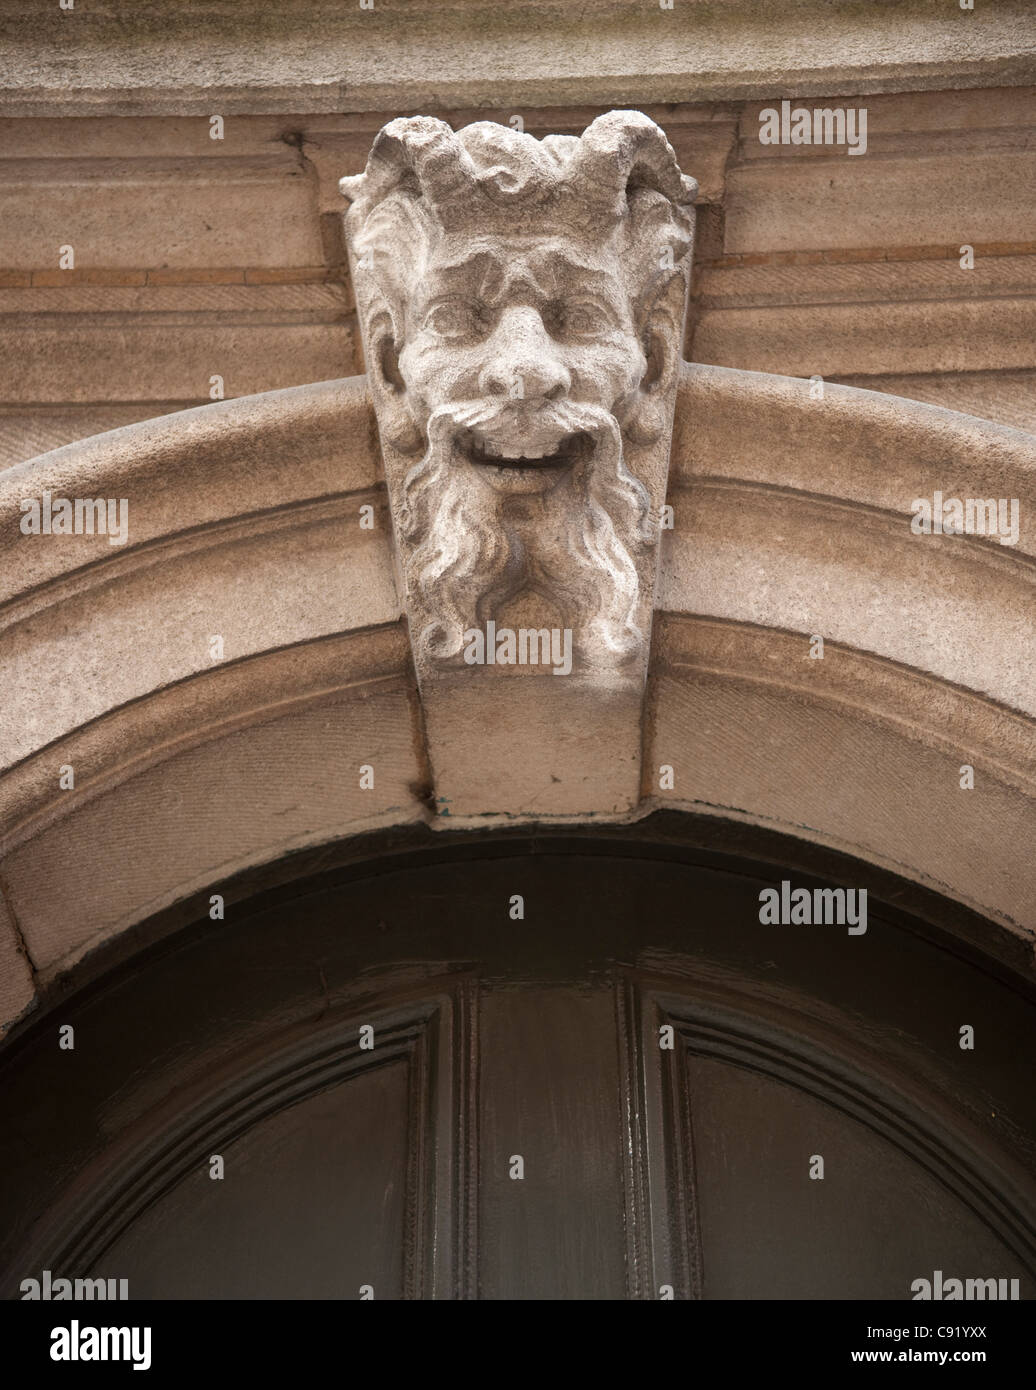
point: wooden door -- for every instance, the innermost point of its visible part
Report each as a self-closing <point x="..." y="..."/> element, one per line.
<point x="513" y="1067"/>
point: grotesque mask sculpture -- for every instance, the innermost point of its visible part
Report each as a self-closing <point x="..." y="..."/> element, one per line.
<point x="521" y="303"/>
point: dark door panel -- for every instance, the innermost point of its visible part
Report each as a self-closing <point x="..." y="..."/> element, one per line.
<point x="517" y="1130"/>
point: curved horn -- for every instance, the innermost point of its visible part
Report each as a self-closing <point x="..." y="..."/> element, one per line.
<point x="420" y="146"/>
<point x="624" y="147"/>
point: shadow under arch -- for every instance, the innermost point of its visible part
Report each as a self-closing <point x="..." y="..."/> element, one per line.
<point x="196" y="1034"/>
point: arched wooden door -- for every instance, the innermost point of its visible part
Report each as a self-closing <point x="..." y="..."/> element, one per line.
<point x="553" y="1066"/>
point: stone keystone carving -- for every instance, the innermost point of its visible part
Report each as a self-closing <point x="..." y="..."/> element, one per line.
<point x="522" y="305"/>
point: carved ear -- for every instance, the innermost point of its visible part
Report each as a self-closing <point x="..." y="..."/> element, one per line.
<point x="660" y="340"/>
<point x="395" y="422"/>
<point x="659" y="343"/>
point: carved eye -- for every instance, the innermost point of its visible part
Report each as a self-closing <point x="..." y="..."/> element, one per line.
<point x="455" y="319"/>
<point x="577" y="318"/>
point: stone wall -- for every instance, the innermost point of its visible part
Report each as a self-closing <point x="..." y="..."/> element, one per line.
<point x="197" y="258"/>
<point x="208" y="268"/>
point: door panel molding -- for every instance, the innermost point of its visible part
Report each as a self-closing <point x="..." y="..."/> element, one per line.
<point x="663" y="1230"/>
<point x="434" y="1035"/>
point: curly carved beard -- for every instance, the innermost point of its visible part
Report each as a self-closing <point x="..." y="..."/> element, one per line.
<point x="475" y="548"/>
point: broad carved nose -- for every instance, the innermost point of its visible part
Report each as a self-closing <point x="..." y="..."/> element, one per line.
<point x="522" y="360"/>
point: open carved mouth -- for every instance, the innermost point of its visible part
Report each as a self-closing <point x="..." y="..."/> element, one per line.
<point x="484" y="451"/>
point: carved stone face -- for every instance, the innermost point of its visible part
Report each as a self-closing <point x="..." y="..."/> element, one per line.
<point x="522" y="305"/>
<point x="524" y="327"/>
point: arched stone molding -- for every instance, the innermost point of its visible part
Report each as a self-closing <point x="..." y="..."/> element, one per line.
<point x="792" y="518"/>
<point x="244" y="522"/>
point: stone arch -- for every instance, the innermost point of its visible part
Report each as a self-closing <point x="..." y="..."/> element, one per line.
<point x="793" y="519"/>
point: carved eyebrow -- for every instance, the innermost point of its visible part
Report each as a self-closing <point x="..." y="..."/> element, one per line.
<point x="556" y="276"/>
<point x="547" y="271"/>
<point x="481" y="266"/>
<point x="567" y="261"/>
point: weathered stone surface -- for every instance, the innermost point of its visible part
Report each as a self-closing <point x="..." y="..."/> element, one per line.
<point x="788" y="512"/>
<point x="897" y="119"/>
<point x="114" y="329"/>
<point x="521" y="304"/>
<point x="95" y="361"/>
<point x="193" y="470"/>
<point x="888" y="280"/>
<point x="16" y="982"/>
<point x="835" y="200"/>
<point x="158" y="212"/>
<point x="843" y="752"/>
<point x="797" y="563"/>
<point x="858" y="446"/>
<point x="28" y="430"/>
<point x="844" y="340"/>
<point x="1009" y="397"/>
<point x="286" y="578"/>
<point x="131" y="352"/>
<point x="522" y="307"/>
<point x="293" y="54"/>
<point x="206" y="813"/>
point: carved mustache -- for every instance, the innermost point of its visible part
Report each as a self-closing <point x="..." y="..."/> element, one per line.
<point x="560" y="417"/>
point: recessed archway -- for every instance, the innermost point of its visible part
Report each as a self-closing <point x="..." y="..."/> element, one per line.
<point x="792" y="520"/>
<point x="375" y="1032"/>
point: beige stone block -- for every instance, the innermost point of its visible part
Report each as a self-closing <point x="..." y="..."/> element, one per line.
<point x="156" y="212"/>
<point x="275" y="581"/>
<point x="859" y="446"/>
<point x="531" y="747"/>
<point x="1009" y="397"/>
<point x="127" y="739"/>
<point x="294" y="56"/>
<point x="153" y="359"/>
<point x="763" y="281"/>
<point x="936" y="115"/>
<point x="31" y="430"/>
<point x="191" y="470"/>
<point x="209" y="813"/>
<point x="818" y="769"/>
<point x="941" y="716"/>
<point x="806" y="565"/>
<point x="840" y="200"/>
<point x="143" y="137"/>
<point x="841" y="340"/>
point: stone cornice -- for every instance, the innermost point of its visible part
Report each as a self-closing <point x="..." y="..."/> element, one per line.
<point x="127" y="59"/>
